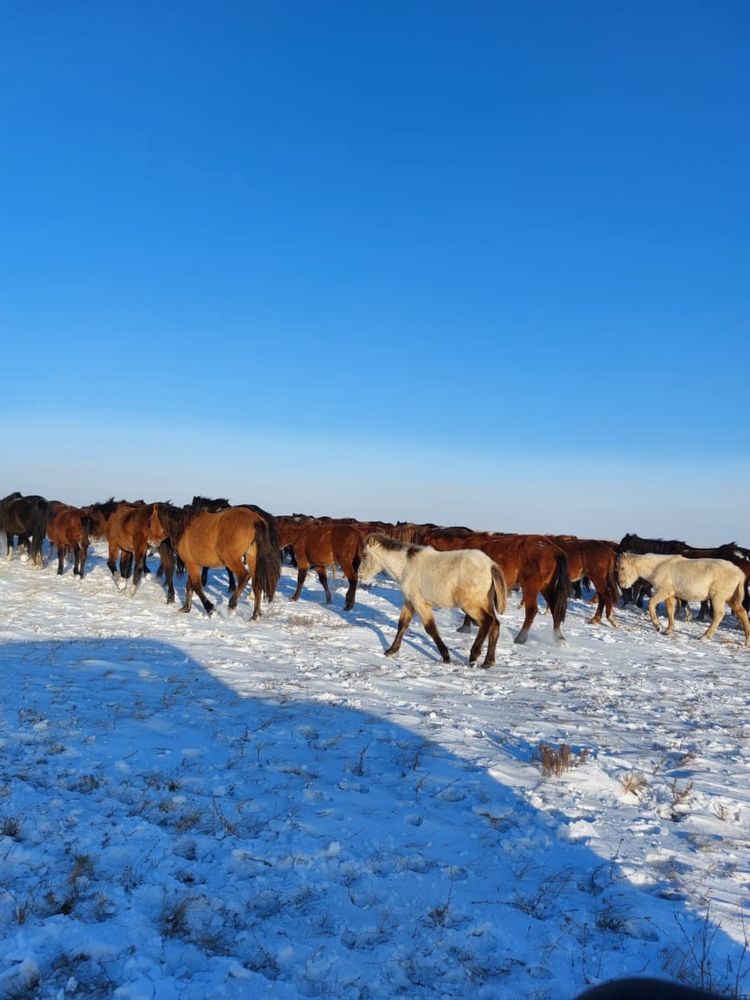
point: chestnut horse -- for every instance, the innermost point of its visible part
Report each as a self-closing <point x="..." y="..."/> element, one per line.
<point x="596" y="560"/>
<point x="531" y="562"/>
<point x="236" y="538"/>
<point x="72" y="528"/>
<point x="323" y="543"/>
<point x="127" y="532"/>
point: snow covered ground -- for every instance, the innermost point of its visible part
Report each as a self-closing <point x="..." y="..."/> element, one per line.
<point x="203" y="808"/>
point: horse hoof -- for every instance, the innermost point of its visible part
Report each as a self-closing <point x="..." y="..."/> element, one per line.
<point x="390" y="652"/>
<point x="521" y="638"/>
<point x="132" y="591"/>
<point x="446" y="659"/>
<point x="184" y="609"/>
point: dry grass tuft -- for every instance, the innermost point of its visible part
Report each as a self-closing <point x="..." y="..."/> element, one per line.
<point x="633" y="783"/>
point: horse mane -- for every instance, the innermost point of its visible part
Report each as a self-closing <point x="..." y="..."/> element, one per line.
<point x="734" y="549"/>
<point x="205" y="503"/>
<point x="660" y="546"/>
<point x="393" y="545"/>
<point x="174" y="519"/>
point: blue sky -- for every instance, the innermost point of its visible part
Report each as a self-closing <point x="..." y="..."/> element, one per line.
<point x="428" y="253"/>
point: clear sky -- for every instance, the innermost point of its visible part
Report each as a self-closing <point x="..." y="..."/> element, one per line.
<point x="484" y="263"/>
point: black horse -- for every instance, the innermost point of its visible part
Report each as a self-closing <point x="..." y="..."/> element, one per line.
<point x="25" y="517"/>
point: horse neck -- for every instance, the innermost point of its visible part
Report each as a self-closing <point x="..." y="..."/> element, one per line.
<point x="647" y="562"/>
<point x="393" y="561"/>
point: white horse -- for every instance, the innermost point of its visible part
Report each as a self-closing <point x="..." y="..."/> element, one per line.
<point x="717" y="580"/>
<point x="466" y="579"/>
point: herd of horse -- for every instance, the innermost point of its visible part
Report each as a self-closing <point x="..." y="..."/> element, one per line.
<point x="435" y="566"/>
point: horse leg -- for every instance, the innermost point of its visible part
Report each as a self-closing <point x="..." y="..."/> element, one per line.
<point x="656" y="598"/>
<point x="302" y="569"/>
<point x="242" y="576"/>
<point x="60" y="559"/>
<point x="718" y="608"/>
<point x="83" y="554"/>
<point x="739" y="609"/>
<point x="231" y="582"/>
<point x="166" y="568"/>
<point x="484" y="626"/>
<point x="404" y="619"/>
<point x="114" y="550"/>
<point x="126" y="564"/>
<point x="188" y="603"/>
<point x="194" y="581"/>
<point x="494" y="635"/>
<point x="430" y="627"/>
<point x="322" y="576"/>
<point x="670" y="603"/>
<point x="351" y="591"/>
<point x="348" y="568"/>
<point x="597" y="618"/>
<point x="9" y="544"/>
<point x="530" y="603"/>
<point x="321" y="571"/>
<point x="467" y="622"/>
<point x="139" y="563"/>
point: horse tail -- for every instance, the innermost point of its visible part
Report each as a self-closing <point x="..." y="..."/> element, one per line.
<point x="38" y="530"/>
<point x="560" y="588"/>
<point x="498" y="590"/>
<point x="612" y="583"/>
<point x="740" y="594"/>
<point x="267" y="559"/>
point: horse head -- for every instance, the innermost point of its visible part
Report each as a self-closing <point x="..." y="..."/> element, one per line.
<point x="627" y="573"/>
<point x="94" y="521"/>
<point x="157" y="531"/>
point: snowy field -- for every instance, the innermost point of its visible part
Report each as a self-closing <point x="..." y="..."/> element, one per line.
<point x="201" y="808"/>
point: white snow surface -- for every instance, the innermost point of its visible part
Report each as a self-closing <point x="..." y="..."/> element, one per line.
<point x="202" y="808"/>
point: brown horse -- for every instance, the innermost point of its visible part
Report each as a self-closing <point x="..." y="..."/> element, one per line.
<point x="127" y="532"/>
<point x="71" y="529"/>
<point x="596" y="560"/>
<point x="319" y="544"/>
<point x="531" y="562"/>
<point x="237" y="539"/>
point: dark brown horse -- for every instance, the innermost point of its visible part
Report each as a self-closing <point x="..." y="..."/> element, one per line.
<point x="71" y="530"/>
<point x="597" y="561"/>
<point x="25" y="517"/>
<point x="319" y="544"/>
<point x="531" y="562"/>
<point x="236" y="538"/>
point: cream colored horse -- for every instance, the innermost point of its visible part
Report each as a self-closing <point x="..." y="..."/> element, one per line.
<point x="716" y="580"/>
<point x="466" y="579"/>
